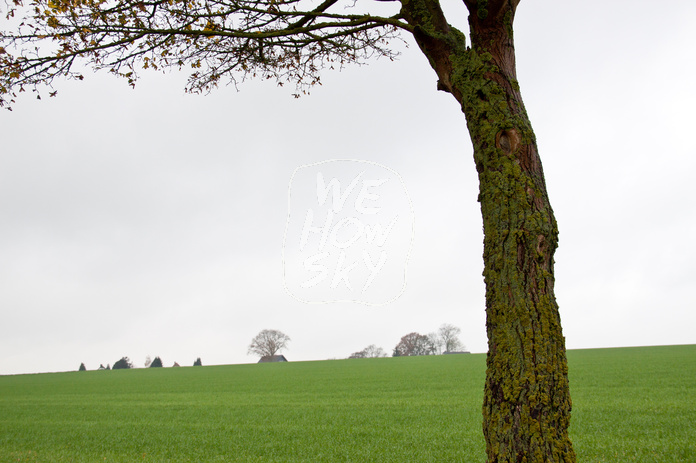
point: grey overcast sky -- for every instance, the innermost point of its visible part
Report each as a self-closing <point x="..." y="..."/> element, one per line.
<point x="150" y="222"/>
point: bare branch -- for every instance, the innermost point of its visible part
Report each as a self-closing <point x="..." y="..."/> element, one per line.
<point x="320" y="9"/>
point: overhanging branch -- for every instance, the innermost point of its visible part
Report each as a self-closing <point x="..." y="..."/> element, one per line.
<point x="215" y="38"/>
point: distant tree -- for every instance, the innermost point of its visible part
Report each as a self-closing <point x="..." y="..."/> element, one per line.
<point x="414" y="344"/>
<point x="198" y="362"/>
<point x="108" y="367"/>
<point x="449" y="335"/>
<point x="371" y="351"/>
<point x="176" y="365"/>
<point x="436" y="342"/>
<point x="122" y="364"/>
<point x="148" y="361"/>
<point x="268" y="343"/>
<point x="82" y="367"/>
<point x="101" y="367"/>
<point x="156" y="363"/>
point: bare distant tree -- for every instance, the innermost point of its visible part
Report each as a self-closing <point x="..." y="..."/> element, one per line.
<point x="437" y="342"/>
<point x="414" y="344"/>
<point x="449" y="336"/>
<point x="268" y="343"/>
<point x="148" y="361"/>
<point x="371" y="351"/>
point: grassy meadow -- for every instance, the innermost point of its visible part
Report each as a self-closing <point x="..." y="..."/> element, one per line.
<point x="630" y="404"/>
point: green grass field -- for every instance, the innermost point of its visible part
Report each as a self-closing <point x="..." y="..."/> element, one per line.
<point x="631" y="404"/>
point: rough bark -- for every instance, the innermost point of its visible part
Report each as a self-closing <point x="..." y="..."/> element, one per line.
<point x="526" y="410"/>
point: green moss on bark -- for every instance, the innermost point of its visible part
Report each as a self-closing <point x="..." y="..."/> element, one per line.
<point x="527" y="402"/>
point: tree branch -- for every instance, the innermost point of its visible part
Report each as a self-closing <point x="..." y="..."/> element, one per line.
<point x="215" y="38"/>
<point x="320" y="9"/>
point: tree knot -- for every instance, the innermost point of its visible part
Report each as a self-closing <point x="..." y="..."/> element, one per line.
<point x="508" y="140"/>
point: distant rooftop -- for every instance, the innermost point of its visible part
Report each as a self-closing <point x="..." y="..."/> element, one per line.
<point x="272" y="358"/>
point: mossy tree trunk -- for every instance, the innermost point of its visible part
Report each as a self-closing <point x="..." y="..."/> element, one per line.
<point x="526" y="410"/>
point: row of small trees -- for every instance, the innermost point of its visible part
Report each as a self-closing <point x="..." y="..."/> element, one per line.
<point x="270" y="342"/>
<point x="124" y="363"/>
<point x="444" y="341"/>
<point x="371" y="351"/>
<point x="265" y="344"/>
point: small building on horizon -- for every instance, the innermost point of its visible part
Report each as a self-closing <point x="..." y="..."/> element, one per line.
<point x="272" y="358"/>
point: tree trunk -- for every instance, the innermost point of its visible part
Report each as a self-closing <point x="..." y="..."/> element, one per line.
<point x="526" y="410"/>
